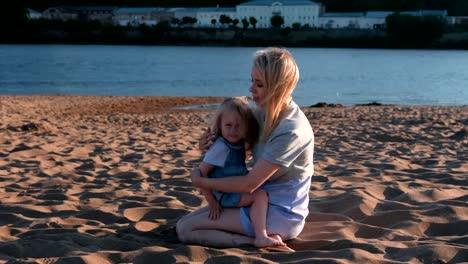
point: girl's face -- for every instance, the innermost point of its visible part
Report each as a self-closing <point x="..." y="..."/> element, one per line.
<point x="258" y="89"/>
<point x="233" y="127"/>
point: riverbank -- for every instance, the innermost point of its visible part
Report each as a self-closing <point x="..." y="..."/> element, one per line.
<point x="78" y="32"/>
<point x="104" y="180"/>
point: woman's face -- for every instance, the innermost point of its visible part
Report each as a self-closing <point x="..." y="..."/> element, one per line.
<point x="257" y="88"/>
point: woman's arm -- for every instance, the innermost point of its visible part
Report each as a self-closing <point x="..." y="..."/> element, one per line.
<point x="261" y="172"/>
<point x="206" y="140"/>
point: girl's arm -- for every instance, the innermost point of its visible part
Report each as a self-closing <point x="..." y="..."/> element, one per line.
<point x="261" y="172"/>
<point x="205" y="168"/>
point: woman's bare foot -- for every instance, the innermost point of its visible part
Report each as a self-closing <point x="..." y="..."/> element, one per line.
<point x="283" y="246"/>
<point x="266" y="241"/>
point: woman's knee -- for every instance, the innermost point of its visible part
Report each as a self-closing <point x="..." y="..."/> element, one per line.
<point x="187" y="224"/>
<point x="182" y="230"/>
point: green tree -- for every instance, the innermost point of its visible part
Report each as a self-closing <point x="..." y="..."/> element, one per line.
<point x="245" y="23"/>
<point x="235" y="22"/>
<point x="296" y="26"/>
<point x="225" y="20"/>
<point x="433" y="27"/>
<point x="15" y="15"/>
<point x="213" y="22"/>
<point x="14" y="23"/>
<point x="186" y="20"/>
<point x="175" y="21"/>
<point x="163" y="25"/>
<point x="253" y="21"/>
<point x="276" y="21"/>
<point x="410" y="30"/>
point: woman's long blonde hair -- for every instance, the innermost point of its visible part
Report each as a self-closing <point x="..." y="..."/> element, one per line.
<point x="239" y="104"/>
<point x="280" y="75"/>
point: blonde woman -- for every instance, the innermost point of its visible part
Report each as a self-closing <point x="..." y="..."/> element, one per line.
<point x="283" y="165"/>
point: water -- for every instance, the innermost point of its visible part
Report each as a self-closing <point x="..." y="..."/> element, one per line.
<point x="346" y="76"/>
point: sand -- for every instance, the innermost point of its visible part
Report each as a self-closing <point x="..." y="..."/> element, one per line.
<point x="104" y="180"/>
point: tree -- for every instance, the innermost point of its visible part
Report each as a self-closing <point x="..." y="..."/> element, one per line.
<point x="223" y="19"/>
<point x="235" y="22"/>
<point x="296" y="26"/>
<point x="16" y="15"/>
<point x="277" y="21"/>
<point x="414" y="30"/>
<point x="433" y="27"/>
<point x="213" y="22"/>
<point x="253" y="21"/>
<point x="245" y="23"/>
<point x="175" y="21"/>
<point x="189" y="20"/>
<point x="160" y="26"/>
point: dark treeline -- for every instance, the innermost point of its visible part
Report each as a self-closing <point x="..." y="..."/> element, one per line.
<point x="402" y="31"/>
<point x="454" y="7"/>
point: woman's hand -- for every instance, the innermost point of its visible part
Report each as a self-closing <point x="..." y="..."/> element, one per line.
<point x="215" y="210"/>
<point x="206" y="140"/>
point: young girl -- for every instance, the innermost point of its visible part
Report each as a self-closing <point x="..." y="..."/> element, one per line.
<point x="235" y="127"/>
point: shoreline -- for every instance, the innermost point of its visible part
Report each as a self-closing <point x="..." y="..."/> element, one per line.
<point x="196" y="102"/>
<point x="344" y="38"/>
<point x="105" y="179"/>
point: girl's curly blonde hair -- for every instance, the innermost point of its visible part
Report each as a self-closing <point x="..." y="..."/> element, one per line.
<point x="241" y="105"/>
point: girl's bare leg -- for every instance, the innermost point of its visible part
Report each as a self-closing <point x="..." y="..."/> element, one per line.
<point x="226" y="231"/>
<point x="258" y="202"/>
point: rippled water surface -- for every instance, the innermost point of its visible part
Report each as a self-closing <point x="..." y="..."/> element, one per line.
<point x="346" y="76"/>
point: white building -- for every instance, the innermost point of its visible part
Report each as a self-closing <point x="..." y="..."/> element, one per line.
<point x="33" y="14"/>
<point x="440" y="13"/>
<point x="341" y="20"/>
<point x="368" y="20"/>
<point x="140" y="15"/>
<point x="207" y="14"/>
<point x="100" y="13"/>
<point x="181" y="12"/>
<point x="457" y="20"/>
<point x="375" y="19"/>
<point x="303" y="12"/>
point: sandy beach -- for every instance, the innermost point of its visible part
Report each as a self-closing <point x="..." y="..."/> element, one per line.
<point x="105" y="179"/>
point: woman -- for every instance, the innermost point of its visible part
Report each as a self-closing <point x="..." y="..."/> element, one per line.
<point x="283" y="163"/>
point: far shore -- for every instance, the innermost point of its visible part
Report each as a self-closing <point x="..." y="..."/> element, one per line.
<point x="323" y="38"/>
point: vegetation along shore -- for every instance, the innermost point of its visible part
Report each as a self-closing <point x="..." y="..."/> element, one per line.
<point x="399" y="30"/>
